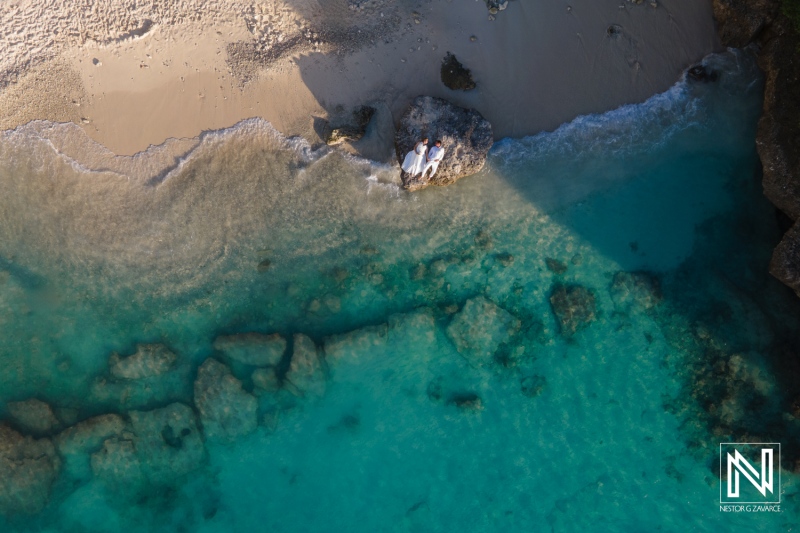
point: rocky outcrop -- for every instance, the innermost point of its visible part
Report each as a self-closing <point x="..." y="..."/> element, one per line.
<point x="635" y="291"/>
<point x="480" y="328"/>
<point x="574" y="306"/>
<point x="28" y="469"/>
<point x="455" y="76"/>
<point x="227" y="411"/>
<point x="33" y="416"/>
<point x="763" y="22"/>
<point x="153" y="448"/>
<point x="168" y="442"/>
<point x="150" y="377"/>
<point x="306" y="371"/>
<point x="466" y="138"/>
<point x="148" y="361"/>
<point x="253" y="349"/>
<point x="351" y="130"/>
<point x="265" y="380"/>
<point x="75" y="444"/>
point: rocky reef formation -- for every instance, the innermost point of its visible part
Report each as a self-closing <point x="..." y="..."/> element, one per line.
<point x="575" y="308"/>
<point x="765" y="23"/>
<point x="150" y="377"/>
<point x="307" y="372"/>
<point x="252" y="348"/>
<point x="227" y="411"/>
<point x="479" y="328"/>
<point x="33" y="416"/>
<point x="148" y="361"/>
<point x="132" y="450"/>
<point x="466" y="138"/>
<point x="28" y="469"/>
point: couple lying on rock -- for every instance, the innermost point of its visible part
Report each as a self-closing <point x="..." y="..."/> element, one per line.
<point x="420" y="160"/>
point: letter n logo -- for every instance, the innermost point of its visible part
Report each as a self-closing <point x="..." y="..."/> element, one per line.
<point x="746" y="482"/>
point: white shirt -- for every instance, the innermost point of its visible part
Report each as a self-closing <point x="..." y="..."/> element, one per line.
<point x="436" y="153"/>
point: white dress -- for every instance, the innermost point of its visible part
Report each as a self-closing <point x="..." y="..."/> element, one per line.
<point x="415" y="159"/>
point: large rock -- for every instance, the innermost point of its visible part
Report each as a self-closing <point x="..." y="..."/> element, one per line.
<point x="785" y="263"/>
<point x="226" y="410"/>
<point x="351" y="130"/>
<point x="118" y="464"/>
<point x="306" y="371"/>
<point x="252" y="348"/>
<point x="168" y="442"/>
<point x="764" y="22"/>
<point x="28" y="468"/>
<point x="148" y="361"/>
<point x="466" y="138"/>
<point x="455" y="76"/>
<point x="122" y="394"/>
<point x="574" y="306"/>
<point x="479" y="328"/>
<point x="33" y="416"/>
<point x="347" y="347"/>
<point x="152" y="448"/>
<point x="76" y="444"/>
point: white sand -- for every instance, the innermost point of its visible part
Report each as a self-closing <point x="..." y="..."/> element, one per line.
<point x="537" y="65"/>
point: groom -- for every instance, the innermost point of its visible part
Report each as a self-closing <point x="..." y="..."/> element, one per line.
<point x="434" y="157"/>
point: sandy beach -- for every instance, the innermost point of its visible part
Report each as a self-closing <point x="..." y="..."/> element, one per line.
<point x="135" y="74"/>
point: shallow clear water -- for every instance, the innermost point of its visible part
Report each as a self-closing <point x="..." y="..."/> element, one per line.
<point x="609" y="429"/>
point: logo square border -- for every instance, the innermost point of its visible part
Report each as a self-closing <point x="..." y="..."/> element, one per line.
<point x="722" y="483"/>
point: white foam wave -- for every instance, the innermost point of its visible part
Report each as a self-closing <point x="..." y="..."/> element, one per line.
<point x="635" y="127"/>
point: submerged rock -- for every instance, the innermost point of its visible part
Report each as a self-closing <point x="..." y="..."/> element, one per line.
<point x="574" y="307"/>
<point x="118" y="464"/>
<point x="28" y="469"/>
<point x="555" y="266"/>
<point x="252" y="348"/>
<point x="466" y="138"/>
<point x="348" y="346"/>
<point x="89" y="434"/>
<point x="532" y="386"/>
<point x="168" y="442"/>
<point x="306" y="370"/>
<point x="455" y="76"/>
<point x="33" y="416"/>
<point x="153" y="448"/>
<point x="479" y="328"/>
<point x="75" y="444"/>
<point x="226" y="410"/>
<point x="122" y="394"/>
<point x="468" y="401"/>
<point x="265" y="380"/>
<point x="635" y="290"/>
<point x="148" y="361"/>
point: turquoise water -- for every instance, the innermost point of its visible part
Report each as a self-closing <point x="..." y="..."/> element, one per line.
<point x="451" y="397"/>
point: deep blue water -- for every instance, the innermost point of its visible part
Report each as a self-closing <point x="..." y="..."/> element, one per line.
<point x="450" y="398"/>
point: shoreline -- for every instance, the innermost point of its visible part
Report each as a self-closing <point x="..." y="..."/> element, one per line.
<point x="177" y="80"/>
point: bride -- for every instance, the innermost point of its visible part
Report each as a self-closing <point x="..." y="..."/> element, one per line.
<point x="415" y="159"/>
